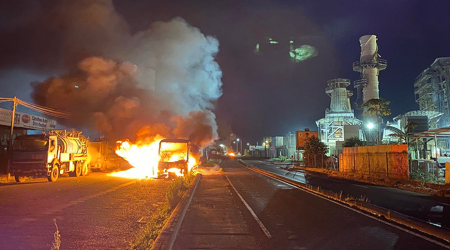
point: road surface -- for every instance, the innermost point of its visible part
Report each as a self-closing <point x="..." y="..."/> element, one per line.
<point x="421" y="206"/>
<point x="297" y="219"/>
<point x="92" y="212"/>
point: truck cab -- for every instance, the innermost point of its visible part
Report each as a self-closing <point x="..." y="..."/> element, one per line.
<point x="29" y="157"/>
<point x="173" y="157"/>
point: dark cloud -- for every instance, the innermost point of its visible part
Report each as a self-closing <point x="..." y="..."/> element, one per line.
<point x="121" y="83"/>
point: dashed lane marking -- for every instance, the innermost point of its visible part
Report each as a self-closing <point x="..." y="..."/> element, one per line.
<point x="261" y="225"/>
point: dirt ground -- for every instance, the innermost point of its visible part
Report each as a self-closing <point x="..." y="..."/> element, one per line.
<point x="410" y="185"/>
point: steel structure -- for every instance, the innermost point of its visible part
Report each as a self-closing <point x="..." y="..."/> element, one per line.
<point x="369" y="65"/>
<point x="331" y="128"/>
<point x="432" y="89"/>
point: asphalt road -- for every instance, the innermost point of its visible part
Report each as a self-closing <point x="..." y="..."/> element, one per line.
<point x="297" y="219"/>
<point x="421" y="206"/>
<point x="92" y="212"/>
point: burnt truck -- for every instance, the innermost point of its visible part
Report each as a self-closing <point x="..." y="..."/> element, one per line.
<point x="50" y="154"/>
<point x="173" y="155"/>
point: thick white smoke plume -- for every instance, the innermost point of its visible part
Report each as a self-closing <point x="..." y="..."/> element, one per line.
<point x="162" y="79"/>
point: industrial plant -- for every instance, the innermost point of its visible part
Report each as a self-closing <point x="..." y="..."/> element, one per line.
<point x="339" y="122"/>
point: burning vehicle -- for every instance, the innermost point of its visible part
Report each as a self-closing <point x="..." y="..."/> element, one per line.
<point x="103" y="157"/>
<point x="50" y="154"/>
<point x="173" y="157"/>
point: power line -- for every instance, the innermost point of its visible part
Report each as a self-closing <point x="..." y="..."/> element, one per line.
<point x="41" y="109"/>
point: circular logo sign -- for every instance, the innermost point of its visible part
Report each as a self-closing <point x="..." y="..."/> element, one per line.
<point x="25" y="118"/>
<point x="272" y="148"/>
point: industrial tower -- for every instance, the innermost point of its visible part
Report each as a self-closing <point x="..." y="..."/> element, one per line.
<point x="336" y="126"/>
<point x="369" y="65"/>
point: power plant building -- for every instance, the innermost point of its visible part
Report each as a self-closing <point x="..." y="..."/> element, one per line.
<point x="432" y="89"/>
<point x="340" y="117"/>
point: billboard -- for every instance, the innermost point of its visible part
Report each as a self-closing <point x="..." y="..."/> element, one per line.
<point x="28" y="121"/>
<point x="302" y="136"/>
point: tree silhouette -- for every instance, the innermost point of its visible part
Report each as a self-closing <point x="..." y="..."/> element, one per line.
<point x="315" y="149"/>
<point x="409" y="127"/>
<point x="353" y="142"/>
<point x="376" y="107"/>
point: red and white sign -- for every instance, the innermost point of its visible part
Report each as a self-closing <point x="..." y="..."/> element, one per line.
<point x="22" y="120"/>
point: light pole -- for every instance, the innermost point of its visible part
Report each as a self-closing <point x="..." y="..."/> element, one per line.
<point x="239" y="141"/>
<point x="265" y="149"/>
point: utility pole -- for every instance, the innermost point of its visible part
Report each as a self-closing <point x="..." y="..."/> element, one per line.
<point x="13" y="115"/>
<point x="12" y="120"/>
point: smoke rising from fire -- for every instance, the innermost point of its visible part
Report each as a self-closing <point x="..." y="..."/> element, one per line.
<point x="163" y="80"/>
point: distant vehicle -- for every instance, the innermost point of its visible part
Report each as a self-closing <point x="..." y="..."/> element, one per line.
<point x="50" y="154"/>
<point x="173" y="157"/>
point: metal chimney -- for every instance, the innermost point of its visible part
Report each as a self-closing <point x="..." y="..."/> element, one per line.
<point x="369" y="66"/>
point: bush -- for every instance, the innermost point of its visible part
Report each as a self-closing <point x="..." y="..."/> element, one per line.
<point x="424" y="176"/>
<point x="176" y="190"/>
<point x="353" y="142"/>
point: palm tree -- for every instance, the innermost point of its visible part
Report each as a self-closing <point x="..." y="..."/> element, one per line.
<point x="376" y="107"/>
<point x="315" y="148"/>
<point x="403" y="136"/>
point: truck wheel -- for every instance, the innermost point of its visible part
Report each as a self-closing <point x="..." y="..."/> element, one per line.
<point x="78" y="169"/>
<point x="85" y="169"/>
<point x="19" y="178"/>
<point x="54" y="174"/>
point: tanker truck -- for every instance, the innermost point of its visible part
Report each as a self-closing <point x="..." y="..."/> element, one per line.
<point x="49" y="154"/>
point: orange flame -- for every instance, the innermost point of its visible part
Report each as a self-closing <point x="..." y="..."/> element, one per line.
<point x="144" y="158"/>
<point x="232" y="154"/>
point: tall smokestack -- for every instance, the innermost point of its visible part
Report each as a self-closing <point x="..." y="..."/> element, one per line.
<point x="369" y="65"/>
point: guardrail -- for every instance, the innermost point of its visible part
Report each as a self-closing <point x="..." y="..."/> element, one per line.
<point x="377" y="211"/>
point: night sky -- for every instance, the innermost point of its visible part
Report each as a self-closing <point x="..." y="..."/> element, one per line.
<point x="267" y="94"/>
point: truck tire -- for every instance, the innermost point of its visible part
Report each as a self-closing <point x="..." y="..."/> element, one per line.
<point x="85" y="169"/>
<point x="54" y="174"/>
<point x="19" y="178"/>
<point x="78" y="169"/>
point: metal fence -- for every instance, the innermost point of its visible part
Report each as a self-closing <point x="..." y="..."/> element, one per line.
<point x="327" y="162"/>
<point x="427" y="166"/>
<point x="388" y="164"/>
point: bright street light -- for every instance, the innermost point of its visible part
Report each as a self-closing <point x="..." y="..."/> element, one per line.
<point x="370" y="125"/>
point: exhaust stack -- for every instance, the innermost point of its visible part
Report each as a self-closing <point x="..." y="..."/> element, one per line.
<point x="369" y="65"/>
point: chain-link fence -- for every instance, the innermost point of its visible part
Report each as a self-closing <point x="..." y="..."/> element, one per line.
<point x="382" y="164"/>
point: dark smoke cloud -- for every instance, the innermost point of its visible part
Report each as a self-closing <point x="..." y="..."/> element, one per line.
<point x="162" y="80"/>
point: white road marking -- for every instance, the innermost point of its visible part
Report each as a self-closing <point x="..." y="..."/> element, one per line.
<point x="360" y="186"/>
<point x="359" y="212"/>
<point x="261" y="225"/>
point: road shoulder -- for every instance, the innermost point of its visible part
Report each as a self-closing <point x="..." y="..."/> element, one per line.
<point x="214" y="220"/>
